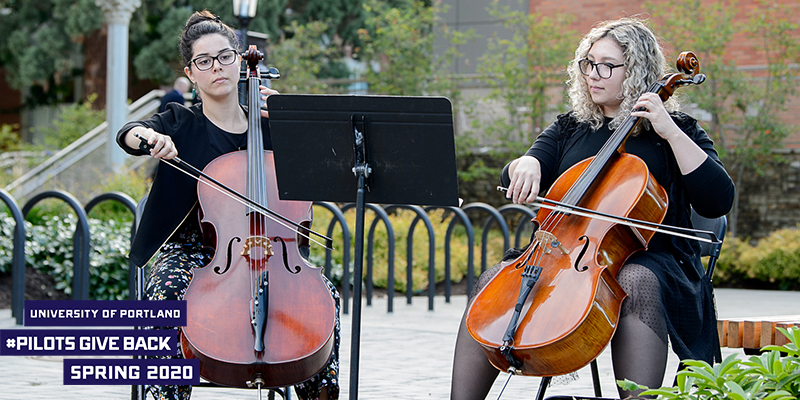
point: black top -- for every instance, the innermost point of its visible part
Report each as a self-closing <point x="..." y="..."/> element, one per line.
<point x="174" y="194"/>
<point x="687" y="297"/>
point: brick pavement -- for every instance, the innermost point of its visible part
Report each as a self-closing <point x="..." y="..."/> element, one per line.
<point x="404" y="355"/>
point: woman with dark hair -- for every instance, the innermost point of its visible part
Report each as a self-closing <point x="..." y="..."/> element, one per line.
<point x="668" y="298"/>
<point x="169" y="226"/>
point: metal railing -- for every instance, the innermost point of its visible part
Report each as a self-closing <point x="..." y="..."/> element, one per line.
<point x="495" y="220"/>
<point x="79" y="149"/>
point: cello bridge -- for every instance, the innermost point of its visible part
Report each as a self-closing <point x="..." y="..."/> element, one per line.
<point x="257" y="241"/>
<point x="550" y="241"/>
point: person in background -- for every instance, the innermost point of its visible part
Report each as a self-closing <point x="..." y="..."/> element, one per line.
<point x="181" y="86"/>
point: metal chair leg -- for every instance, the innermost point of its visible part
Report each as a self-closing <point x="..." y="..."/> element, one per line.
<point x="596" y="379"/>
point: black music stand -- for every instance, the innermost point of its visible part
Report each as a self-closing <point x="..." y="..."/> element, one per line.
<point x="376" y="149"/>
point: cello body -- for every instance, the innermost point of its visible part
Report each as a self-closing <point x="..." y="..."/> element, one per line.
<point x="572" y="311"/>
<point x="299" y="329"/>
<point x="258" y="314"/>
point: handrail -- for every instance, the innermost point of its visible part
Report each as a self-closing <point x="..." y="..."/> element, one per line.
<point x="381" y="216"/>
<point x="494" y="216"/>
<point x="80" y="148"/>
<point x="420" y="215"/>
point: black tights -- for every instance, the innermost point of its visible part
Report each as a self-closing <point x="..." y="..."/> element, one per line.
<point x="638" y="348"/>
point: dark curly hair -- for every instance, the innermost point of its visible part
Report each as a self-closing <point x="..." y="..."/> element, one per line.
<point x="203" y="23"/>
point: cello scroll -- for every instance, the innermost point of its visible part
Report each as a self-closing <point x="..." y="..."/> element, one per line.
<point x="689" y="67"/>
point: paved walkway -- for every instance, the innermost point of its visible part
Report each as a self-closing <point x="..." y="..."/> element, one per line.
<point x="404" y="355"/>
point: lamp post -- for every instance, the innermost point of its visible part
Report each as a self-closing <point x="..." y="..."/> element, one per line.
<point x="244" y="11"/>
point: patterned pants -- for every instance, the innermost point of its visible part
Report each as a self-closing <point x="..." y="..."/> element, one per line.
<point x="168" y="280"/>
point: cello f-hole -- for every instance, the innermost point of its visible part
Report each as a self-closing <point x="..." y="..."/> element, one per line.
<point x="228" y="264"/>
<point x="580" y="256"/>
<point x="296" y="269"/>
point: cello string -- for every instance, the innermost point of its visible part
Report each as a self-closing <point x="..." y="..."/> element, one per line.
<point x="196" y="174"/>
<point x="259" y="210"/>
<point x="254" y="172"/>
<point x="656" y="227"/>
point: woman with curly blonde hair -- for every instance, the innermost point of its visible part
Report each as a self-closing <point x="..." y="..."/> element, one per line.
<point x="669" y="299"/>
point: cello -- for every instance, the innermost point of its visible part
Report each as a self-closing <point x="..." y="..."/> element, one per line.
<point x="569" y="301"/>
<point x="258" y="314"/>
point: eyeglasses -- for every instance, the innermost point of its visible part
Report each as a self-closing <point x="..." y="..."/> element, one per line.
<point x="603" y="69"/>
<point x="225" y="57"/>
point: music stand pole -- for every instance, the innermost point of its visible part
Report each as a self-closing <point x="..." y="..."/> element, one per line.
<point x="361" y="170"/>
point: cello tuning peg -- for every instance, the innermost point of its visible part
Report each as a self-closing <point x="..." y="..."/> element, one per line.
<point x="698" y="79"/>
<point x="273" y="73"/>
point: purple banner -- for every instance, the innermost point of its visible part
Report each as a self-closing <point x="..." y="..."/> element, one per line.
<point x="87" y="342"/>
<point x="87" y="371"/>
<point x="105" y="313"/>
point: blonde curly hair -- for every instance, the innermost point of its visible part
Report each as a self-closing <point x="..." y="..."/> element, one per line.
<point x="644" y="65"/>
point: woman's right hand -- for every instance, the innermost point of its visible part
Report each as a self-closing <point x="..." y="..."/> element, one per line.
<point x="162" y="146"/>
<point x="525" y="173"/>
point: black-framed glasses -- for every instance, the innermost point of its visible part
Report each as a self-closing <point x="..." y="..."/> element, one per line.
<point x="603" y="69"/>
<point x="225" y="57"/>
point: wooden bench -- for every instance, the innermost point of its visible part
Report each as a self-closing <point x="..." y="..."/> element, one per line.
<point x="753" y="333"/>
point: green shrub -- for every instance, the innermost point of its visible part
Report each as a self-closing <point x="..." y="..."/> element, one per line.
<point x="7" y="226"/>
<point x="72" y="123"/>
<point x="49" y="250"/>
<point x="9" y="139"/>
<point x="401" y="221"/>
<point x="772" y="263"/>
<point x="774" y="375"/>
<point x="133" y="183"/>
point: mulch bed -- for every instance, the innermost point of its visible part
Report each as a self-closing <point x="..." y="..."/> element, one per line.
<point x="37" y="287"/>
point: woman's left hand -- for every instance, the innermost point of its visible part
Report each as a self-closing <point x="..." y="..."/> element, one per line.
<point x="687" y="153"/>
<point x="266" y="92"/>
<point x="657" y="114"/>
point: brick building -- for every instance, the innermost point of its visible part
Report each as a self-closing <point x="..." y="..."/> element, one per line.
<point x="768" y="201"/>
<point x="744" y="51"/>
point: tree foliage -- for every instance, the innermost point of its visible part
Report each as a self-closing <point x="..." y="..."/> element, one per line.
<point x="519" y="70"/>
<point x="301" y="58"/>
<point x="42" y="42"/>
<point x="744" y="107"/>
<point x="525" y="70"/>
<point x="43" y="46"/>
<point x="400" y="40"/>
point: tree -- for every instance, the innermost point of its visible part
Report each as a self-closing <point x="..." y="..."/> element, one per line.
<point x="157" y="25"/>
<point x="43" y="50"/>
<point x="520" y="70"/>
<point x="399" y="40"/>
<point x="301" y="56"/>
<point x="525" y="74"/>
<point x="42" y="46"/>
<point x="744" y="108"/>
